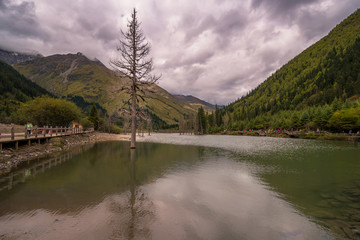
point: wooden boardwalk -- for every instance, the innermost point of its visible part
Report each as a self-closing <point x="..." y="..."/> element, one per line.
<point x="14" y="135"/>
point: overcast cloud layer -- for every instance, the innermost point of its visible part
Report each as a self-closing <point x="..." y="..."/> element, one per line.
<point x="216" y="50"/>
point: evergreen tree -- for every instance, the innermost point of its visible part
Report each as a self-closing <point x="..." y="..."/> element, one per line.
<point x="93" y="117"/>
<point x="201" y="118"/>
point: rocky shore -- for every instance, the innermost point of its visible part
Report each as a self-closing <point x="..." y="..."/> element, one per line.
<point x="10" y="158"/>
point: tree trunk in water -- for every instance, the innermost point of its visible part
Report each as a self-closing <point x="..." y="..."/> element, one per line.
<point x="133" y="119"/>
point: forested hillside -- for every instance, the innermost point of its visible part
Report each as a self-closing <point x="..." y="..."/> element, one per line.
<point x="310" y="89"/>
<point x="15" y="88"/>
<point x="79" y="79"/>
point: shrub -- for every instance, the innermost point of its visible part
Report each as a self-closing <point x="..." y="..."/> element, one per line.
<point x="45" y="110"/>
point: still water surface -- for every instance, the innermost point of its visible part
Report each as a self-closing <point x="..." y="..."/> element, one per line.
<point x="188" y="187"/>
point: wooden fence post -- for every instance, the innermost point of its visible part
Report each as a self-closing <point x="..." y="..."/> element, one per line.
<point x="12" y="132"/>
<point x="26" y="132"/>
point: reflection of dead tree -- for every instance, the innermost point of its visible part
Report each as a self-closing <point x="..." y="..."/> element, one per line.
<point x="135" y="214"/>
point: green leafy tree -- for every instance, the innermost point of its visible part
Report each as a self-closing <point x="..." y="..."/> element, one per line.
<point x="346" y="119"/>
<point x="48" y="111"/>
<point x="295" y="121"/>
<point x="304" y="119"/>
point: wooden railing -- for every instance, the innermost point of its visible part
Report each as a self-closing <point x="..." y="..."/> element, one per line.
<point x="19" y="133"/>
<point x="13" y="132"/>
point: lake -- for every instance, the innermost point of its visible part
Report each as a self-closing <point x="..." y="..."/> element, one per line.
<point x="187" y="187"/>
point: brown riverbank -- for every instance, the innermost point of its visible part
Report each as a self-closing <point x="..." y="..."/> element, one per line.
<point x="10" y="158"/>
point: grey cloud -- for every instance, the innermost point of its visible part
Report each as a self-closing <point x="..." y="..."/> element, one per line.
<point x="284" y="12"/>
<point x="230" y="23"/>
<point x="194" y="28"/>
<point x="20" y="20"/>
<point x="200" y="59"/>
<point x="315" y="23"/>
<point x="281" y="6"/>
<point x="85" y="23"/>
<point x="2" y="5"/>
<point x="247" y="40"/>
<point x="107" y="34"/>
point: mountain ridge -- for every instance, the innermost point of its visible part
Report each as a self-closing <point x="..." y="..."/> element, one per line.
<point x="12" y="57"/>
<point x="77" y="76"/>
<point x="195" y="101"/>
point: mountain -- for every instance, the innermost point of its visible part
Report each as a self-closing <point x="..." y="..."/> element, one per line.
<point x="74" y="76"/>
<point x="328" y="70"/>
<point x="15" y="88"/>
<point x="16" y="58"/>
<point x="195" y="102"/>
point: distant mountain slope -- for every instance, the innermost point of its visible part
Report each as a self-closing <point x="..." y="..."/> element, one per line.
<point x="327" y="70"/>
<point x="74" y="76"/>
<point x="15" y="88"/>
<point x="196" y="102"/>
<point x="16" y="58"/>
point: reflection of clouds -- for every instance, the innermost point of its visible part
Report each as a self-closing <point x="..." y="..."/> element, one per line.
<point x="222" y="200"/>
<point x="131" y="218"/>
<point x="108" y="220"/>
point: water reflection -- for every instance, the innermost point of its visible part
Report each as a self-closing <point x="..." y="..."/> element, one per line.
<point x="94" y="195"/>
<point x="320" y="179"/>
<point x="221" y="199"/>
<point x="133" y="216"/>
<point x="175" y="192"/>
<point x="8" y="181"/>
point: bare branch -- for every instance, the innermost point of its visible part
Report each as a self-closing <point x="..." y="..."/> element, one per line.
<point x="134" y="63"/>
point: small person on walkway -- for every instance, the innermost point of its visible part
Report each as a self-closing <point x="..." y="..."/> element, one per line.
<point x="28" y="128"/>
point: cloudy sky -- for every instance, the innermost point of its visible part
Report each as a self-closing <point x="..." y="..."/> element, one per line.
<point x="216" y="50"/>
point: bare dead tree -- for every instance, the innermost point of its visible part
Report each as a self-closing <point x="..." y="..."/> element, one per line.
<point x="149" y="125"/>
<point x="134" y="64"/>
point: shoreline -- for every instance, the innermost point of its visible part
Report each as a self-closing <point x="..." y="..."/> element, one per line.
<point x="303" y="135"/>
<point x="10" y="158"/>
